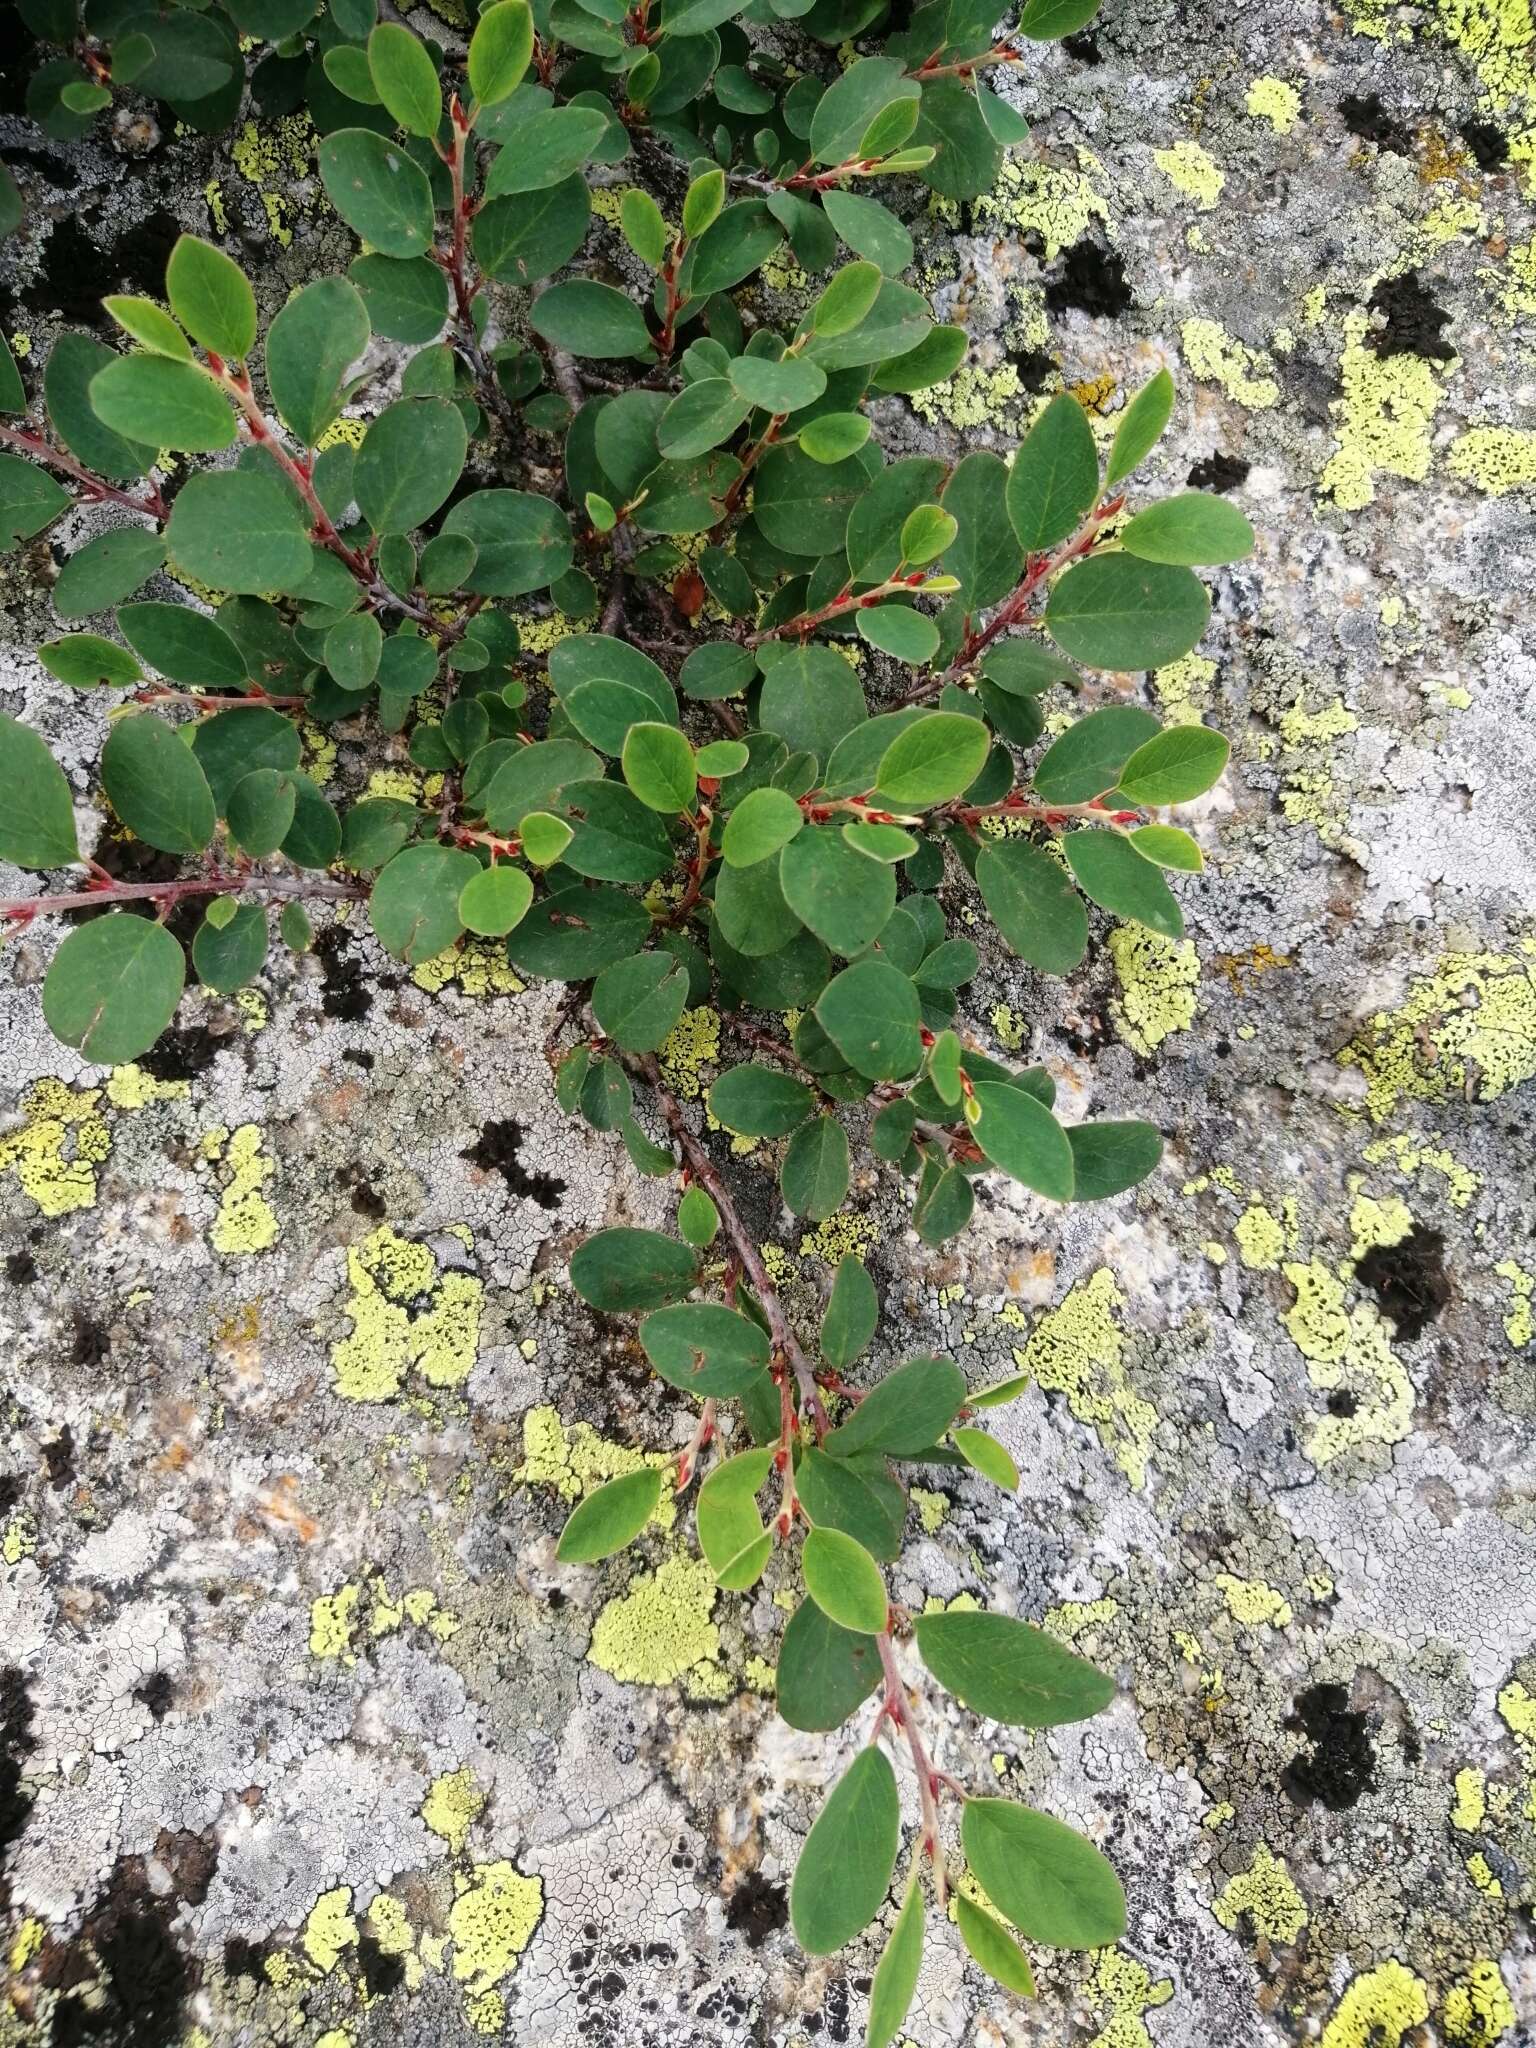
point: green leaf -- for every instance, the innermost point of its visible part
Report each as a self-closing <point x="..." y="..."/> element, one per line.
<point x="404" y="79"/>
<point x="857" y="1496"/>
<point x="37" y="816"/>
<point x="1111" y="873"/>
<point x="500" y="51"/>
<point x="1114" y="612"/>
<point x="520" y="239"/>
<point x="898" y="322"/>
<point x="406" y="300"/>
<point x="1021" y="1136"/>
<point x="184" y="644"/>
<point x="162" y="404"/>
<point x="985" y="556"/>
<point x="238" y="530"/>
<point x="643" y="227"/>
<point x="1008" y="1671"/>
<point x="703" y="415"/>
<point x="261" y="808"/>
<point x="1168" y="847"/>
<point x="834" y="436"/>
<point x="760" y="824"/>
<point x="844" y="1581"/>
<point x="757" y="1102"/>
<point x="544" y="838"/>
<point x="882" y="842"/>
<point x="1087" y="760"/>
<point x="812" y="698"/>
<point x="113" y="986"/>
<point x="107" y="569"/>
<point x="895" y="1979"/>
<point x="702" y="202"/>
<point x="853" y="1312"/>
<point x="719" y="668"/>
<point x="503" y="787"/>
<point x="1047" y="20"/>
<point x="410" y="459"/>
<point x="1109" y="1157"/>
<point x="212" y="298"/>
<point x="801" y="506"/>
<point x="1055" y="476"/>
<point x="851" y="102"/>
<point x="967" y="160"/>
<point x="844" y="1872"/>
<point x="13" y="395"/>
<point x="705" y="1349"/>
<point x="74" y="362"/>
<point x="85" y="659"/>
<point x="1140" y="428"/>
<point x="381" y="194"/>
<point x="311" y="346"/>
<point x="591" y="320"/>
<point x="1033" y="905"/>
<point x="414" y="908"/>
<point x="872" y="1015"/>
<point x="926" y="532"/>
<point x="931" y="360"/>
<point x="840" y="895"/>
<point x="933" y="760"/>
<point x="697" y="1218"/>
<point x="227" y="956"/>
<point x="495" y="901"/>
<point x="523" y="542"/>
<point x="984" y="1454"/>
<point x="150" y="325"/>
<point x="991" y="1947"/>
<point x="814" y="1177"/>
<point x="155" y="785"/>
<point x="717" y="759"/>
<point x="735" y="1544"/>
<point x="233" y="744"/>
<point x="825" y="1672"/>
<point x="616" y="838"/>
<point x="875" y="523"/>
<point x="615" y="1513"/>
<point x="905" y="1414"/>
<point x="784" y="386"/>
<point x="1054" y="1886"/>
<point x="1195" y="528"/>
<point x="638" y="1001"/>
<point x="632" y="1269"/>
<point x="658" y="766"/>
<point x="847" y="298"/>
<point x="29" y="501"/>
<point x="574" y="932"/>
<point x="352" y="649"/>
<point x="1176" y="766"/>
<point x="551" y="146"/>
<point x="869" y="229"/>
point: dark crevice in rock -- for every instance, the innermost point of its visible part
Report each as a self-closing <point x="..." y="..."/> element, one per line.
<point x="1408" y="1279"/>
<point x="1366" y="117"/>
<point x="1488" y="143"/>
<point x="757" y="1908"/>
<point x="1339" y="1762"/>
<point x="1092" y="281"/>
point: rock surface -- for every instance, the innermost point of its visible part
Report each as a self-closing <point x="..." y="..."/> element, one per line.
<point x="307" y="1738"/>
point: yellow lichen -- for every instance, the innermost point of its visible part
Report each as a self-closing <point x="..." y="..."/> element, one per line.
<point x="1520" y="1317"/>
<point x="974" y="396"/>
<point x="491" y="1922"/>
<point x="1078" y="1350"/>
<point x="1216" y="357"/>
<point x="1383" y="420"/>
<point x="1466" y="1032"/>
<point x="1191" y="170"/>
<point x="1267" y="1893"/>
<point x="1496" y="459"/>
<point x="332" y="1619"/>
<point x="845" y="1235"/>
<point x="476" y="967"/>
<point x="1183" y="688"/>
<point x="1378" y="2009"/>
<point x="1121" y="1990"/>
<point x="574" y="1460"/>
<point x="330" y="1928"/>
<point x="61" y="1142"/>
<point x="661" y="1627"/>
<point x="452" y="1806"/>
<point x="1071" y="1618"/>
<point x="1347" y="1351"/>
<point x="1253" y="1602"/>
<point x="1158" y="980"/>
<point x="1376" y="1224"/>
<point x="246" y="1221"/>
<point x="691" y="1046"/>
<point x="404" y="1317"/>
<point x="1047" y="200"/>
<point x="1262" y="1238"/>
<point x="1276" y="101"/>
<point x="1477" y="2011"/>
<point x="1517" y="1710"/>
<point x="131" y="1088"/>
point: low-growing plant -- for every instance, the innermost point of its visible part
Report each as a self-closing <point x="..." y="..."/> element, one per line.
<point x="783" y="740"/>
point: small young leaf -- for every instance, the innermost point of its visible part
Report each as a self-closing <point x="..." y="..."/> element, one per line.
<point x="844" y="1581"/>
<point x="984" y="1454"/>
<point x="658" y="766"/>
<point x="495" y="901"/>
<point x="294" y="927"/>
<point x="697" y="1218"/>
<point x="844" y="1872"/>
<point x="643" y="227"/>
<point x="895" y="1979"/>
<point x="1180" y="764"/>
<point x="702" y="202"/>
<point x="845" y="301"/>
<point x="1054" y="1886"/>
<point x="1168" y="847"/>
<point x="760" y="824"/>
<point x="926" y="533"/>
<point x="731" y="1534"/>
<point x="212" y="298"/>
<point x="1140" y="428"/>
<point x="544" y="838"/>
<point x="834" y="436"/>
<point x="500" y="51"/>
<point x="614" y="1514"/>
<point x="404" y="79"/>
<point x="992" y="1948"/>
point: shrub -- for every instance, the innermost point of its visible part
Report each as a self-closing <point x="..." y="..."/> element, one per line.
<point x="785" y="722"/>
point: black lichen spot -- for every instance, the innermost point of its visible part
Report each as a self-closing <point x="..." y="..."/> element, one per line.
<point x="1342" y="1402"/>
<point x="80" y="269"/>
<point x="15" y="1744"/>
<point x="182" y="1053"/>
<point x="1489" y="144"/>
<point x="757" y="1908"/>
<point x="1092" y="280"/>
<point x="345" y="994"/>
<point x="1408" y="1279"/>
<point x="1034" y="366"/>
<point x="92" y="1344"/>
<point x="366" y="1199"/>
<point x="1339" y="1762"/>
<point x="21" y="1269"/>
<point x="380" y="1971"/>
<point x="498" y="1149"/>
<point x="244" y="1958"/>
<point x="59" y="1458"/>
<point x="1084" y="46"/>
<point x="1413" y="320"/>
<point x="1218" y="472"/>
<point x="1365" y="116"/>
<point x="156" y="1693"/>
<point x="125" y="1983"/>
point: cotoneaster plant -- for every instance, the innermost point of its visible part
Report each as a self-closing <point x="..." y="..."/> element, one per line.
<point x="788" y="734"/>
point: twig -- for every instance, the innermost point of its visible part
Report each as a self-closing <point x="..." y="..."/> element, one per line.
<point x="20" y="910"/>
<point x="95" y="487"/>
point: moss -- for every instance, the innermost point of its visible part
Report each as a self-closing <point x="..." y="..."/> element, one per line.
<point x="404" y="1317"/>
<point x="1215" y="357"/>
<point x="1383" y="420"/>
<point x="1378" y="2009"/>
<point x="330" y="1929"/>
<point x="1347" y="1350"/>
<point x="1466" y="1032"/>
<point x="452" y="1806"/>
<point x="62" y="1140"/>
<point x="491" y="1922"/>
<point x="1158" y="981"/>
<point x="661" y="1627"/>
<point x="246" y="1222"/>
<point x="1275" y="101"/>
<point x="1496" y="459"/>
<point x="1078" y="1350"/>
<point x="1191" y="170"/>
<point x="1267" y="1894"/>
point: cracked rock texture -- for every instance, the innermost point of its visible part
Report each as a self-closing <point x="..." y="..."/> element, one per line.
<point x="307" y="1739"/>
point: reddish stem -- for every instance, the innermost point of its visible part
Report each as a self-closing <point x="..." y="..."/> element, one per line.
<point x="96" y="488"/>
